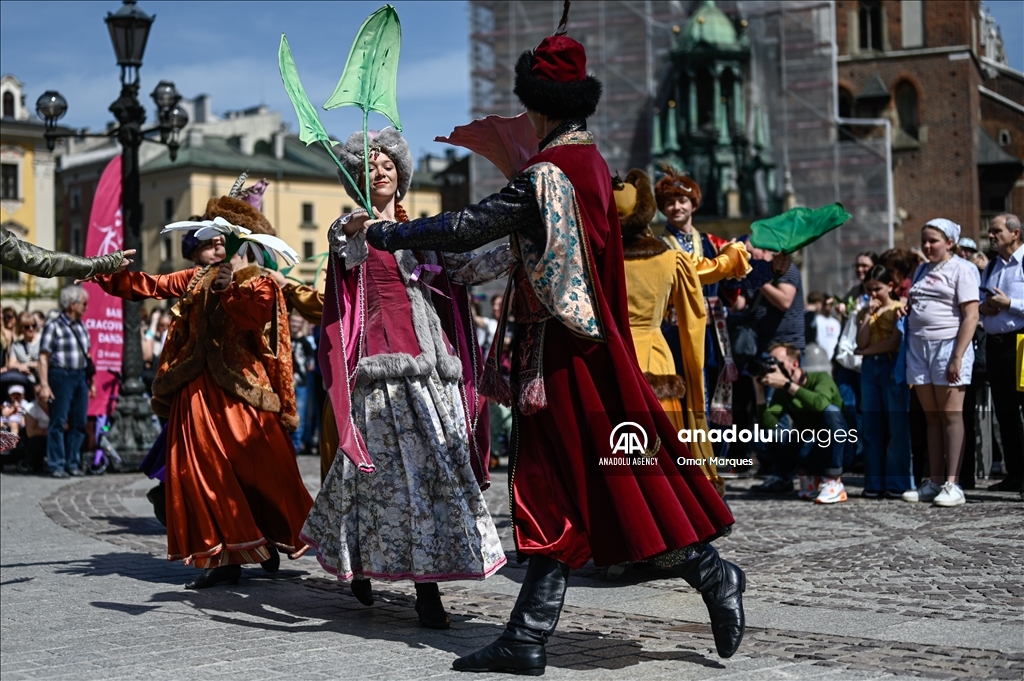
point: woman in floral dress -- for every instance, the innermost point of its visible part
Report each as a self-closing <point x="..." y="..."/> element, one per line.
<point x="405" y="500"/>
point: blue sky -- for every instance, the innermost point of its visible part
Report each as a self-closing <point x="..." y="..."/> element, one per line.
<point x="229" y="51"/>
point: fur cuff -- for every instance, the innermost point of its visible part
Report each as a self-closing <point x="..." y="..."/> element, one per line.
<point x="666" y="386"/>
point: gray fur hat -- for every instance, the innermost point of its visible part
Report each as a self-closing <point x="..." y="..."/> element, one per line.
<point x="388" y="141"/>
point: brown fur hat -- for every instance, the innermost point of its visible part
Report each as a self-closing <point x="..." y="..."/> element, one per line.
<point x="676" y="185"/>
<point x="238" y="212"/>
<point x="635" y="218"/>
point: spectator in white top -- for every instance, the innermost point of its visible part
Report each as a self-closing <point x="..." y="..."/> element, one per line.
<point x="943" y="307"/>
<point x="1002" y="311"/>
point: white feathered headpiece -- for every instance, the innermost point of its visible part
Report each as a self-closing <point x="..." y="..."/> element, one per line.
<point x="268" y="250"/>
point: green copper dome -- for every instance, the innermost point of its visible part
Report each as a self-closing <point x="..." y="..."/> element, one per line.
<point x="710" y="26"/>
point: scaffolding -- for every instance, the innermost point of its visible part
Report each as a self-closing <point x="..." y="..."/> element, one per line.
<point x="792" y="78"/>
<point x="627" y="47"/>
<point x="794" y="75"/>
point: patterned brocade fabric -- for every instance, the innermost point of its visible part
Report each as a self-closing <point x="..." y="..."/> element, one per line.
<point x="558" y="268"/>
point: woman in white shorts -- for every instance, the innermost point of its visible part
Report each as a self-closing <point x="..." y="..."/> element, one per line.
<point x="943" y="315"/>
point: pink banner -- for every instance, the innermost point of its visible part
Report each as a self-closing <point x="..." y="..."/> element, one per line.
<point x="103" y="316"/>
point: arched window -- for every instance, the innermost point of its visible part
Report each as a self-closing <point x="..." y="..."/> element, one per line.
<point x="870" y="17"/>
<point x="8" y="104"/>
<point x="705" y="98"/>
<point x="846" y="102"/>
<point x="906" y="108"/>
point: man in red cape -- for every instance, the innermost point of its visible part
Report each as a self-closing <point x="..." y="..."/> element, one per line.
<point x="575" y="379"/>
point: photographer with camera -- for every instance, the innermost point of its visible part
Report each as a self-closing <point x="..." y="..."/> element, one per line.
<point x="805" y="415"/>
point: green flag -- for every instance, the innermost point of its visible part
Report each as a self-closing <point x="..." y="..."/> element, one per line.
<point x="311" y="130"/>
<point x="797" y="227"/>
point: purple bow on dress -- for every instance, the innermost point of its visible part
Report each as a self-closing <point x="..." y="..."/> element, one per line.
<point x="418" y="272"/>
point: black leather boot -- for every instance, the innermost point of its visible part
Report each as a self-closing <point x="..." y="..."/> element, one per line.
<point x="722" y="585"/>
<point x="429" y="607"/>
<point x="362" y="590"/>
<point x="520" y="650"/>
<point x="214" y="576"/>
<point x="273" y="563"/>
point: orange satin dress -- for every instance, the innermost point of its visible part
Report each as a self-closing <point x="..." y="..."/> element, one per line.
<point x="233" y="485"/>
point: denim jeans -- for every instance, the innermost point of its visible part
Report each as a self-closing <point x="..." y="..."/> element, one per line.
<point x="785" y="454"/>
<point x="885" y="405"/>
<point x="848" y="382"/>
<point x="70" y="407"/>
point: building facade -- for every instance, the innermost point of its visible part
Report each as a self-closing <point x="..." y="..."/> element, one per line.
<point x="938" y="72"/>
<point x="27" y="190"/>
<point x="303" y="198"/>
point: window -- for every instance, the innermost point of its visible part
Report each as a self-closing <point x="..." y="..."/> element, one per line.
<point x="307" y="249"/>
<point x="1004" y="138"/>
<point x="169" y="209"/>
<point x="423" y="214"/>
<point x="307" y="213"/>
<point x="906" y="108"/>
<point x="912" y="19"/>
<point x="870" y="16"/>
<point x="846" y="106"/>
<point x="166" y="249"/>
<point x="8" y="104"/>
<point x="9" y="173"/>
<point x="76" y="198"/>
<point x="346" y="210"/>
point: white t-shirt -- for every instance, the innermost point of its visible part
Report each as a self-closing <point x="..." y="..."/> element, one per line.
<point x="936" y="296"/>
<point x="828" y="329"/>
<point x="41" y="417"/>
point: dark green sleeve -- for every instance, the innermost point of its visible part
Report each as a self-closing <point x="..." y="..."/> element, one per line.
<point x="31" y="259"/>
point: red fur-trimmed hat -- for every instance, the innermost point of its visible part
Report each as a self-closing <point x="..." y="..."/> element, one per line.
<point x="676" y="185"/>
<point x="552" y="80"/>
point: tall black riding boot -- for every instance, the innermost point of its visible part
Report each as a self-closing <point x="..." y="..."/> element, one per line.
<point x="722" y="585"/>
<point x="520" y="650"/>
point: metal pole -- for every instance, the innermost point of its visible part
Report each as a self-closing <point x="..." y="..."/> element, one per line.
<point x="132" y="430"/>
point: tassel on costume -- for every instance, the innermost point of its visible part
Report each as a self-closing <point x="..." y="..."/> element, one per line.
<point x="495" y="386"/>
<point x="533" y="397"/>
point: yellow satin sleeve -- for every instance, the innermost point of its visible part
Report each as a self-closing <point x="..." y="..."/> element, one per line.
<point x="305" y="300"/>
<point x="732" y="262"/>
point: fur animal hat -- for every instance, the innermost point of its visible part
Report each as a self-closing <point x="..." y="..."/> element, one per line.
<point x="635" y="202"/>
<point x="387" y="141"/>
<point x="676" y="185"/>
<point x="552" y="80"/>
<point x="238" y="212"/>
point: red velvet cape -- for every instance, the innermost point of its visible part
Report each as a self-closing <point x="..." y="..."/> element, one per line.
<point x="565" y="505"/>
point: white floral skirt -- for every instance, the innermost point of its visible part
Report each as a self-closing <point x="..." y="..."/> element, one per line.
<point x="421" y="514"/>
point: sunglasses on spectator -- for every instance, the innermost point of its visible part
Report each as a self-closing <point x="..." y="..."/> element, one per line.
<point x="28" y="327"/>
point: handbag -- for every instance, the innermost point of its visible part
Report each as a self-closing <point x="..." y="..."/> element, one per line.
<point x="846" y="347"/>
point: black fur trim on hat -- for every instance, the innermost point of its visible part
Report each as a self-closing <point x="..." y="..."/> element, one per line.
<point x="558" y="101"/>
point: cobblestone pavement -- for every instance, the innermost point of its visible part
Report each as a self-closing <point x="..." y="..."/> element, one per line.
<point x="865" y="589"/>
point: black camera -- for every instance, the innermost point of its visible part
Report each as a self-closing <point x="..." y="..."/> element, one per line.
<point x="761" y="368"/>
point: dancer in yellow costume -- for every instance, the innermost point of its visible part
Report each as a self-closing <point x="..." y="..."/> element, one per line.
<point x="655" y="278"/>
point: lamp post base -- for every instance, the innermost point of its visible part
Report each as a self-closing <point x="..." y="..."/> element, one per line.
<point x="133" y="430"/>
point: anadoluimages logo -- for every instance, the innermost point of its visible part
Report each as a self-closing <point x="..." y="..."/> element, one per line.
<point x="628" y="438"/>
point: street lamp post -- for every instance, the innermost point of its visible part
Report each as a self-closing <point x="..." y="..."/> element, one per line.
<point x="132" y="432"/>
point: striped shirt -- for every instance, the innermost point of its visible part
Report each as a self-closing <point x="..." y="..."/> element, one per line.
<point x="59" y="341"/>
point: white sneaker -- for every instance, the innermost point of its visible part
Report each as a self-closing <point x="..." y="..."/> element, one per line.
<point x="926" y="492"/>
<point x="809" y="485"/>
<point x="951" y="495"/>
<point x="832" y="492"/>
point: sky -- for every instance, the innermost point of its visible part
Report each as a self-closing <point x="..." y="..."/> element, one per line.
<point x="229" y="51"/>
